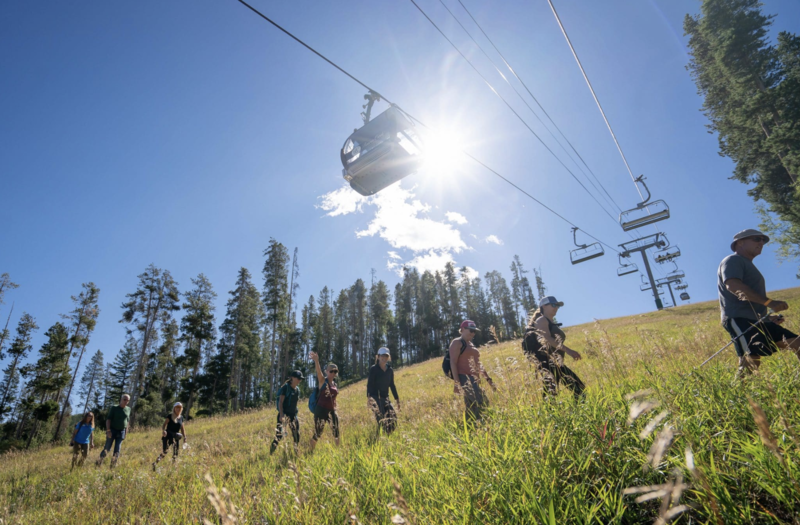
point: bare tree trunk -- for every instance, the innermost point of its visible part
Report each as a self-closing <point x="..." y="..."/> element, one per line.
<point x="69" y="392"/>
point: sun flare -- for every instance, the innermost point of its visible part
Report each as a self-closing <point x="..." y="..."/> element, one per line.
<point x="443" y="153"/>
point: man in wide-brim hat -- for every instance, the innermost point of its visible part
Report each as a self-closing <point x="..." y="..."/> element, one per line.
<point x="743" y="301"/>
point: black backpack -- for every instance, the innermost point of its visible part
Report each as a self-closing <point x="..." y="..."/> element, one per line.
<point x="446" y="360"/>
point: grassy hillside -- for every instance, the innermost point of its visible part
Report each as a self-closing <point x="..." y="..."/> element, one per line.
<point x="532" y="462"/>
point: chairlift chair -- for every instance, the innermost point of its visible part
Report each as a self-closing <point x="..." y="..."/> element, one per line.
<point x="645" y="212"/>
<point x="382" y="151"/>
<point x="684" y="296"/>
<point x="667" y="254"/>
<point x="626" y="268"/>
<point x="584" y="252"/>
<point x="682" y="286"/>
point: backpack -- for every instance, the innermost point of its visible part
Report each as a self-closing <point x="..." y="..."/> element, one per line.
<point x="446" y="360"/>
<point x="314" y="397"/>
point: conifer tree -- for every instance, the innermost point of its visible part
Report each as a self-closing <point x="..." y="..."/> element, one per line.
<point x="83" y="319"/>
<point x="91" y="383"/>
<point x="17" y="351"/>
<point x="198" y="330"/>
<point x="146" y="310"/>
<point x="751" y="92"/>
<point x="122" y="371"/>
<point x="276" y="301"/>
<point x="5" y="285"/>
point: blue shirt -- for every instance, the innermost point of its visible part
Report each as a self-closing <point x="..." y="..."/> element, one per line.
<point x="84" y="433"/>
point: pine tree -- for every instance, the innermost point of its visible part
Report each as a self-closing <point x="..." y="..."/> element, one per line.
<point x="146" y="309"/>
<point x="18" y="350"/>
<point x="276" y="301"/>
<point x="121" y="374"/>
<point x="541" y="289"/>
<point x="83" y="319"/>
<point x="5" y="285"/>
<point x="91" y="383"/>
<point x="198" y="330"/>
<point x="240" y="338"/>
<point x="751" y="92"/>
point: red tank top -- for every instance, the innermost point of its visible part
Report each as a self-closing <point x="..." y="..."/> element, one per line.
<point x="327" y="396"/>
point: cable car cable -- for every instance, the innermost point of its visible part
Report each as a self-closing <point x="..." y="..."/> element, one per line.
<point x="597" y="101"/>
<point x="499" y="72"/>
<point x="503" y="58"/>
<point x="421" y="123"/>
<point x="512" y="110"/>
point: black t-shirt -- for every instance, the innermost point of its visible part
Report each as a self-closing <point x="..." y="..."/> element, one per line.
<point x="174" y="426"/>
<point x="291" y="395"/>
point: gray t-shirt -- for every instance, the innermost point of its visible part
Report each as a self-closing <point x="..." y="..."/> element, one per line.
<point x="737" y="267"/>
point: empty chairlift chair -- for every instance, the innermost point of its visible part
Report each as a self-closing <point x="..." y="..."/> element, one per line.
<point x="645" y="212"/>
<point x="584" y="252"/>
<point x="382" y="151"/>
<point x="626" y="268"/>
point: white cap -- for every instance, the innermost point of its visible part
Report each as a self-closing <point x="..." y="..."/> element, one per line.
<point x="383" y="351"/>
<point x="178" y="404"/>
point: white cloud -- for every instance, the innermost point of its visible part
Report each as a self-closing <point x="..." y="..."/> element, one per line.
<point x="471" y="272"/>
<point x="341" y="202"/>
<point x="494" y="239"/>
<point x="455" y="217"/>
<point x="402" y="221"/>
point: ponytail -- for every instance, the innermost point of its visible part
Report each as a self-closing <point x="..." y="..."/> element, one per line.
<point x="535" y="315"/>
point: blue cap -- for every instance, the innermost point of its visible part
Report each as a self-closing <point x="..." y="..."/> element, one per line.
<point x="550" y="300"/>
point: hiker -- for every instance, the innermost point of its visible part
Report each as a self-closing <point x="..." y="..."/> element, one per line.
<point x="82" y="439"/>
<point x="466" y="370"/>
<point x="116" y="427"/>
<point x="171" y="433"/>
<point x="743" y="301"/>
<point x="287" y="410"/>
<point x="381" y="379"/>
<point x="544" y="346"/>
<point x="325" y="409"/>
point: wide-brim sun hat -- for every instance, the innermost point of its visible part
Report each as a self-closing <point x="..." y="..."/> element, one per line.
<point x="551" y="301"/>
<point x="744" y="234"/>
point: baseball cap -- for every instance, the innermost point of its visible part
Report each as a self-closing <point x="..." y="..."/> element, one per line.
<point x="178" y="404"/>
<point x="750" y="232"/>
<point x="550" y="300"/>
<point x="469" y="325"/>
<point x="298" y="374"/>
<point x="383" y="351"/>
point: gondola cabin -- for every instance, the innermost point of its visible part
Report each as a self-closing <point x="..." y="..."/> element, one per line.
<point x="381" y="152"/>
<point x="684" y="296"/>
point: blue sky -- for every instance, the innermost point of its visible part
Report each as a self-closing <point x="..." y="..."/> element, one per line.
<point x="188" y="134"/>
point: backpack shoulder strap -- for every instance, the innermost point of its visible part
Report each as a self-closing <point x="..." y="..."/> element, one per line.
<point x="463" y="346"/>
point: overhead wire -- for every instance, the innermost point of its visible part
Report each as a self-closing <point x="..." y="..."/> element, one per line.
<point x="473" y="158"/>
<point x="605" y="195"/>
<point x="516" y="113"/>
<point x="524" y="85"/>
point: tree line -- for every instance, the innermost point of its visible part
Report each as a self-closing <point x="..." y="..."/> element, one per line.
<point x="175" y="349"/>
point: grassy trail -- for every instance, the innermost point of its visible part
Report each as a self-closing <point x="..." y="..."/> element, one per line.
<point x="532" y="462"/>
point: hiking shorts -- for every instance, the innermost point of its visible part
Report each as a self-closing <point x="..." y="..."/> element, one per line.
<point x="80" y="448"/>
<point x="322" y="416"/>
<point x="760" y="340"/>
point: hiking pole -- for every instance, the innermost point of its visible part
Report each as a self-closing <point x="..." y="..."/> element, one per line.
<point x="769" y="312"/>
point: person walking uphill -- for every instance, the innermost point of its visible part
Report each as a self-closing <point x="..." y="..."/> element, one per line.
<point x="743" y="301"/>
<point x="288" y="395"/>
<point x="82" y="439"/>
<point x="381" y="379"/>
<point x="171" y="433"/>
<point x="116" y="427"/>
<point x="325" y="410"/>
<point x="544" y="345"/>
<point x="466" y="370"/>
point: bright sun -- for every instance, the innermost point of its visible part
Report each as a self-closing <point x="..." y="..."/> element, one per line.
<point x="443" y="153"/>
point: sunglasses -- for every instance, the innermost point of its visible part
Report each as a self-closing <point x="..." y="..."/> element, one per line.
<point x="758" y="238"/>
<point x="472" y="331"/>
<point x="333" y="371"/>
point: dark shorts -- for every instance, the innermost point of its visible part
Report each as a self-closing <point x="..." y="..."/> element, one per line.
<point x="757" y="341"/>
<point x="322" y="416"/>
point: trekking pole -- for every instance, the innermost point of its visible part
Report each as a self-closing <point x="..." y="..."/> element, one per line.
<point x="769" y="312"/>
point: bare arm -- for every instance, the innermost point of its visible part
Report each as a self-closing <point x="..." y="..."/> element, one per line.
<point x="280" y="406"/>
<point x="739" y="289"/>
<point x="455" y="353"/>
<point x="164" y="427"/>
<point x="183" y="431"/>
<point x="320" y="376"/>
<point x="543" y="332"/>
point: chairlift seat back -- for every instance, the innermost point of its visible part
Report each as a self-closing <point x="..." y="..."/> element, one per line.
<point x="644" y="215"/>
<point x="383" y="151"/>
<point x="586" y="253"/>
<point x="679" y="274"/>
<point x="627" y="269"/>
